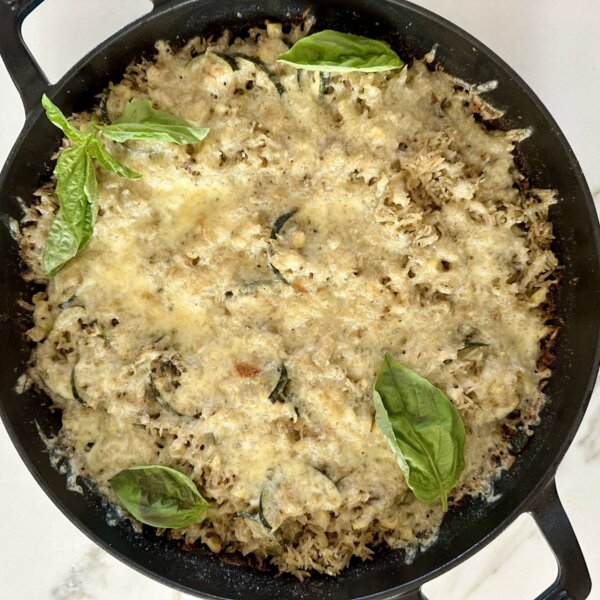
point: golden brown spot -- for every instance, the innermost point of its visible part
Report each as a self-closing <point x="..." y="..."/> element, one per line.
<point x="246" y="370"/>
<point x="299" y="287"/>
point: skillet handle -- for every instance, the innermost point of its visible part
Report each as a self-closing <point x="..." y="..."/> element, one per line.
<point x="20" y="64"/>
<point x="413" y="595"/>
<point x="29" y="79"/>
<point x="158" y="3"/>
<point x="573" y="581"/>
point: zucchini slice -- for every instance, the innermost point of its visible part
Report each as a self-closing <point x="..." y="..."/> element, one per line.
<point x="260" y="518"/>
<point x="274" y="269"/>
<point x="158" y="396"/>
<point x="230" y="60"/>
<point x="280" y="386"/>
<point x="225" y="57"/>
<point x="245" y="289"/>
<point x="261" y="512"/>
<point x="471" y="346"/>
<point x="263" y="67"/>
<point x="324" y="82"/>
<point x="76" y="395"/>
<point x="280" y="221"/>
<point x="70" y="303"/>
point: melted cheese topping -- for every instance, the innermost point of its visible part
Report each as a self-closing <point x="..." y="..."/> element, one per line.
<point x="162" y="341"/>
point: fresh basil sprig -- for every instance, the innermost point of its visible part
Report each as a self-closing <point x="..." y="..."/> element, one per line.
<point x="339" y="52"/>
<point x="423" y="429"/>
<point x="76" y="184"/>
<point x="160" y="496"/>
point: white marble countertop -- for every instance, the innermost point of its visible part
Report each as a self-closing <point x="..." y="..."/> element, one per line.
<point x="554" y="45"/>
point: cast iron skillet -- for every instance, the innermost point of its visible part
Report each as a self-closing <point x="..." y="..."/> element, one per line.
<point x="550" y="163"/>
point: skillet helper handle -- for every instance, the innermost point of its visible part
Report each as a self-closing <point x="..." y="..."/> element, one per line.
<point x="20" y="64"/>
<point x="156" y="4"/>
<point x="573" y="581"/>
<point x="412" y="595"/>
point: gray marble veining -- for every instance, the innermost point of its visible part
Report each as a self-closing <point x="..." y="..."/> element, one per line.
<point x="84" y="580"/>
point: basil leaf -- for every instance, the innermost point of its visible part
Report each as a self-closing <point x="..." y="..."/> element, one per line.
<point x="423" y="429"/>
<point x="71" y="176"/>
<point x="77" y="191"/>
<point x="334" y="51"/>
<point x="61" y="245"/>
<point x="108" y="162"/>
<point x="140" y="121"/>
<point x="56" y="117"/>
<point x="160" y="496"/>
<point x="90" y="190"/>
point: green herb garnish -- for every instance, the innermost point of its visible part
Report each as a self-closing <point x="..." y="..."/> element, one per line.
<point x="76" y="184"/>
<point x="338" y="52"/>
<point x="140" y="121"/>
<point x="77" y="191"/>
<point x="423" y="429"/>
<point x="160" y="496"/>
